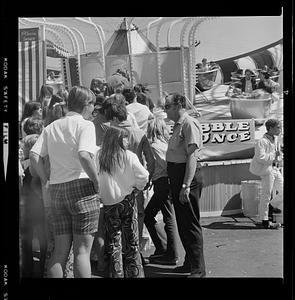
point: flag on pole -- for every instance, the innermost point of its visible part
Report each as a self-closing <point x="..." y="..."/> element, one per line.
<point x="30" y="67"/>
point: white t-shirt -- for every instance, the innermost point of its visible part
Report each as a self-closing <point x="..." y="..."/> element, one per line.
<point x="114" y="188"/>
<point x="141" y="113"/>
<point x="131" y="118"/>
<point x="62" y="140"/>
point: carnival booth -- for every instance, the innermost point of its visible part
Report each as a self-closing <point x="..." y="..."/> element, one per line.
<point x="229" y="142"/>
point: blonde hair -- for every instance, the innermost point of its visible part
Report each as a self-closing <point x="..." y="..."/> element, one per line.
<point x="157" y="129"/>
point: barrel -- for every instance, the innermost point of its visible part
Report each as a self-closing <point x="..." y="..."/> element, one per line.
<point x="250" y="195"/>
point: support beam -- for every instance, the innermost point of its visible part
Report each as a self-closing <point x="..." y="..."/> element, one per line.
<point x="101" y="37"/>
<point x="81" y="37"/>
<point x="149" y="25"/>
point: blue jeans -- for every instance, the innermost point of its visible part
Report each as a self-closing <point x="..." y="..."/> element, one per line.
<point x="122" y="242"/>
<point x="188" y="217"/>
<point x="163" y="241"/>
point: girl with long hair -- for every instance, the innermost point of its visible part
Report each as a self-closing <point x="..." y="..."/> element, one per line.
<point x="45" y="95"/>
<point x="121" y="176"/>
<point x="164" y="240"/>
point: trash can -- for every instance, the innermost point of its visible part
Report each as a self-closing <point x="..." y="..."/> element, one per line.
<point x="250" y="195"/>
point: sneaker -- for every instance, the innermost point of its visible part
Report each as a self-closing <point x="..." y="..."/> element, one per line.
<point x="164" y="260"/>
<point x="182" y="269"/>
<point x="270" y="225"/>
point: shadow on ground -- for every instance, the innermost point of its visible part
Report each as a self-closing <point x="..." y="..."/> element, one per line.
<point x="238" y="222"/>
<point x="232" y="225"/>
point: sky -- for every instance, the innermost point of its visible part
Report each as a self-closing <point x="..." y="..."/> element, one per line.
<point x="221" y="37"/>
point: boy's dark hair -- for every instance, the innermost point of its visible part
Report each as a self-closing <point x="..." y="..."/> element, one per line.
<point x="178" y="99"/>
<point x="33" y="126"/>
<point x="270" y="123"/>
<point x="129" y="95"/>
<point x="142" y="99"/>
<point x="114" y="106"/>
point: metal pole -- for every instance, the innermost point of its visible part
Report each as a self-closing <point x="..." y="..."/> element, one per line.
<point x="43" y="38"/>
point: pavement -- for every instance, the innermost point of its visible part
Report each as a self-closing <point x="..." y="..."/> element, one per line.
<point x="233" y="247"/>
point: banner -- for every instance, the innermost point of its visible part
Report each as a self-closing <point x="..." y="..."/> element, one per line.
<point x="29" y="35"/>
<point x="221" y="132"/>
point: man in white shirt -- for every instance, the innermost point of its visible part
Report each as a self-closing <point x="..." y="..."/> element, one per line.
<point x="265" y="164"/>
<point x="70" y="144"/>
<point x="140" y="111"/>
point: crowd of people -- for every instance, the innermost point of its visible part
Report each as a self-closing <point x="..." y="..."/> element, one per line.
<point x="88" y="159"/>
<point x="87" y="163"/>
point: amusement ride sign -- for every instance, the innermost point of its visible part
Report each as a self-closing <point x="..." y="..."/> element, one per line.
<point x="219" y="132"/>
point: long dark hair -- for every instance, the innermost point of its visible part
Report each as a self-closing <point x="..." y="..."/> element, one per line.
<point x="45" y="91"/>
<point x="113" y="151"/>
<point x="29" y="109"/>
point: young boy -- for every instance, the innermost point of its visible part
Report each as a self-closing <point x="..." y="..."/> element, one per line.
<point x="266" y="163"/>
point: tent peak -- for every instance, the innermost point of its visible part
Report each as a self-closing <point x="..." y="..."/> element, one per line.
<point x="125" y="25"/>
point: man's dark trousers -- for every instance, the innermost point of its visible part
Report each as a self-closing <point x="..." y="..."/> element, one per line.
<point x="188" y="217"/>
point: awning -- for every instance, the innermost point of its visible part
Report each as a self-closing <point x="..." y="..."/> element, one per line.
<point x="55" y="51"/>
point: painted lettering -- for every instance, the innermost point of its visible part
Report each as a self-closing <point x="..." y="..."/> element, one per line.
<point x="205" y="127"/>
<point x="230" y="127"/>
<point x="217" y="127"/>
<point x="243" y="125"/>
<point x="218" y="138"/>
<point x="205" y="137"/>
<point x="245" y="136"/>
